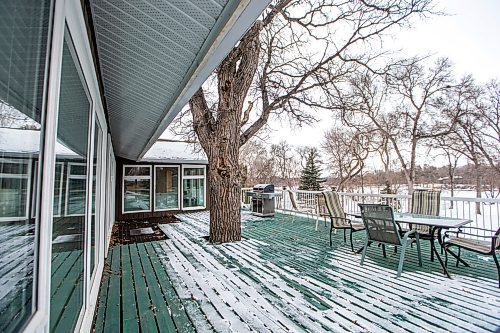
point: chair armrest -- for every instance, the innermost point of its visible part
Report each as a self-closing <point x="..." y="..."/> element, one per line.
<point x="408" y="233"/>
<point x="446" y="233"/>
<point x="476" y="228"/>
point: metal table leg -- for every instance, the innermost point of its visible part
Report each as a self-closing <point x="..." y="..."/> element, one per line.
<point x="437" y="230"/>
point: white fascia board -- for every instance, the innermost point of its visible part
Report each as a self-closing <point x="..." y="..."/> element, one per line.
<point x="245" y="14"/>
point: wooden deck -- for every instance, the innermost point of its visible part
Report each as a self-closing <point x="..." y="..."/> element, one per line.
<point x="284" y="277"/>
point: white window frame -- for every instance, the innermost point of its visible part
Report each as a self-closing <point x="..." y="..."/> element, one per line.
<point x="179" y="189"/>
<point x="28" y="186"/>
<point x="204" y="177"/>
<point x="150" y="177"/>
<point x="68" y="177"/>
<point x="61" y="181"/>
<point x="65" y="13"/>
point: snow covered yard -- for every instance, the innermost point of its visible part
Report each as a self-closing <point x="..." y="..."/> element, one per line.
<point x="284" y="277"/>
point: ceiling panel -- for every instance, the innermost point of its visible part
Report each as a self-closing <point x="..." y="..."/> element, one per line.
<point x="150" y="52"/>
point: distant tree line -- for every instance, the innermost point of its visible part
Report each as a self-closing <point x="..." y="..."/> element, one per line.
<point x="401" y="116"/>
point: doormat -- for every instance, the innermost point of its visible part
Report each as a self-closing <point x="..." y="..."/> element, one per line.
<point x="141" y="231"/>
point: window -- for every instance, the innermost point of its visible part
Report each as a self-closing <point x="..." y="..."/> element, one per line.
<point x="166" y="187"/>
<point x="58" y="190"/>
<point x="136" y="188"/>
<point x="96" y="180"/>
<point x="24" y="40"/>
<point x="76" y="189"/>
<point x="68" y="231"/>
<point x="193" y="187"/>
<point x="14" y="189"/>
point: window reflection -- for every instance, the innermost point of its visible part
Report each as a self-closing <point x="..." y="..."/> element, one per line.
<point x="193" y="185"/>
<point x="167" y="188"/>
<point x="137" y="189"/>
<point x="68" y="230"/>
<point x="23" y="44"/>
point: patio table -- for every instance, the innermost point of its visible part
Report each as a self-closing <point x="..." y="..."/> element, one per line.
<point x="436" y="223"/>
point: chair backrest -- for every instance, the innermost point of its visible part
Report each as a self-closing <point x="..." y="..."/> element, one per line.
<point x="292" y="200"/>
<point x="321" y="208"/>
<point x="335" y="210"/>
<point x="379" y="223"/>
<point x="425" y="202"/>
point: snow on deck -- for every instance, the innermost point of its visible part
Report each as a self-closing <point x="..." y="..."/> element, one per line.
<point x="284" y="277"/>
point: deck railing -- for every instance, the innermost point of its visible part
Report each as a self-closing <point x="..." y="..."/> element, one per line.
<point x="457" y="207"/>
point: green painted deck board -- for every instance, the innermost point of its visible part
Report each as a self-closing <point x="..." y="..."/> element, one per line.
<point x="145" y="306"/>
<point x="101" y="308"/>
<point x="130" y="317"/>
<point x="162" y="313"/>
<point x="285" y="277"/>
<point x="67" y="292"/>
<point x="179" y="315"/>
<point x="113" y="308"/>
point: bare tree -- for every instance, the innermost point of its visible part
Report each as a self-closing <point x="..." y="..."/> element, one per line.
<point x="489" y="113"/>
<point x="466" y="137"/>
<point x="284" y="60"/>
<point x="10" y="117"/>
<point x="285" y="165"/>
<point x="347" y="151"/>
<point x="407" y="106"/>
<point x="452" y="154"/>
<point x="255" y="160"/>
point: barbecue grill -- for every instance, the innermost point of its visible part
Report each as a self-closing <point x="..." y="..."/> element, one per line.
<point x="263" y="200"/>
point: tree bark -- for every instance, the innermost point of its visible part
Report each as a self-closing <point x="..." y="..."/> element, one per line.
<point x="225" y="217"/>
<point x="479" y="187"/>
<point x="218" y="131"/>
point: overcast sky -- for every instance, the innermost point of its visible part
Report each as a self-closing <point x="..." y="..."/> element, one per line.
<point x="469" y="36"/>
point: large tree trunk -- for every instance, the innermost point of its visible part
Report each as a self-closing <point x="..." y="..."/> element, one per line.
<point x="219" y="134"/>
<point x="225" y="215"/>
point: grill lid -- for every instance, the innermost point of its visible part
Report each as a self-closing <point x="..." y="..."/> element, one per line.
<point x="264" y="188"/>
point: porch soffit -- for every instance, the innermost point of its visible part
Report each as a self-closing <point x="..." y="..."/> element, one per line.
<point x="155" y="54"/>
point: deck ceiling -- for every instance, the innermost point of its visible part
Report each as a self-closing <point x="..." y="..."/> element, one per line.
<point x="154" y="54"/>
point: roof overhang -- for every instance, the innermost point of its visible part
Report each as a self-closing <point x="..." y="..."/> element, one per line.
<point x="153" y="57"/>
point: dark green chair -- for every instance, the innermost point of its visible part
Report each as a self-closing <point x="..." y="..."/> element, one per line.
<point x="381" y="227"/>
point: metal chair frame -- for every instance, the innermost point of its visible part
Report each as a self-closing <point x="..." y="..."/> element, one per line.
<point x="333" y="216"/>
<point x="495" y="245"/>
<point x="397" y="241"/>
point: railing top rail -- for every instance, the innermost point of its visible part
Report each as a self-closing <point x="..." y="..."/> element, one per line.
<point x="405" y="196"/>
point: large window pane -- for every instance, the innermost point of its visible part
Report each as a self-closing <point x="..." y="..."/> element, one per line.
<point x="194" y="192"/>
<point x="23" y="54"/>
<point x="68" y="239"/>
<point x="136" y="196"/>
<point x="75" y="204"/>
<point x="167" y="188"/>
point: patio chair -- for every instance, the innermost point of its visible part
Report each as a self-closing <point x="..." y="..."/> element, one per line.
<point x="483" y="244"/>
<point x="425" y="202"/>
<point x="321" y="209"/>
<point x="381" y="228"/>
<point x="338" y="219"/>
<point x="297" y="207"/>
